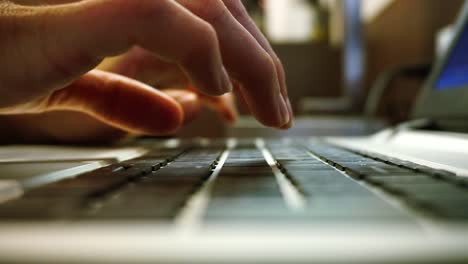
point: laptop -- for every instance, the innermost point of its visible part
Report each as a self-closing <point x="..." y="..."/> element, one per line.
<point x="399" y="196"/>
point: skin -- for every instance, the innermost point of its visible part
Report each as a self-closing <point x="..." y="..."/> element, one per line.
<point x="81" y="71"/>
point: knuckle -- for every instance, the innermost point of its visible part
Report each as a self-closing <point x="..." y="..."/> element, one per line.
<point x="209" y="36"/>
<point x="140" y="10"/>
<point x="206" y="42"/>
<point x="131" y="14"/>
<point x="267" y="67"/>
<point x="235" y="7"/>
<point x="211" y="10"/>
<point x="277" y="60"/>
<point x="55" y="100"/>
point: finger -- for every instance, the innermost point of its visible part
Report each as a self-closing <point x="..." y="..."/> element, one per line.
<point x="246" y="61"/>
<point x="240" y="97"/>
<point x="144" y="66"/>
<point x="72" y="38"/>
<point x="238" y="10"/>
<point x="189" y="101"/>
<point x="44" y="2"/>
<point x="115" y="100"/>
<point x="223" y="105"/>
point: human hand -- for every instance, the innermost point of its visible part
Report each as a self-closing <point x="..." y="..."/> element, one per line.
<point x="71" y="39"/>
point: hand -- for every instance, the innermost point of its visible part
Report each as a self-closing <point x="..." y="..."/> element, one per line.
<point x="79" y="128"/>
<point x="51" y="47"/>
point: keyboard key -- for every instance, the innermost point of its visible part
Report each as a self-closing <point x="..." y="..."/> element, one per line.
<point x="141" y="202"/>
<point x="363" y="170"/>
<point x="401" y="179"/>
<point x="306" y="167"/>
<point x="96" y="182"/>
<point x="180" y="173"/>
<point x="245" y="170"/>
<point x="428" y="189"/>
<point x="320" y="178"/>
<point x="245" y="186"/>
<point x="331" y="191"/>
<point x="265" y="209"/>
<point x="454" y="208"/>
<point x="40" y="208"/>
<point x="369" y="208"/>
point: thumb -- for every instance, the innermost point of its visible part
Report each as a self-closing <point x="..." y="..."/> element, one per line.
<point x="116" y="100"/>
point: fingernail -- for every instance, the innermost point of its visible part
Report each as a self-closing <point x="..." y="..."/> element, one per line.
<point x="285" y="118"/>
<point x="226" y="84"/>
<point x="291" y="114"/>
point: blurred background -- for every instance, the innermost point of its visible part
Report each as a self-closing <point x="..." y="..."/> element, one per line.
<point x="351" y="64"/>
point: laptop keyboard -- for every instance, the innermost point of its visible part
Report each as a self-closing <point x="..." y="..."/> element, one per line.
<point x="268" y="181"/>
<point x="432" y="192"/>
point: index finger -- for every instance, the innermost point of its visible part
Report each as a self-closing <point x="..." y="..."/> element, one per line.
<point x="238" y="10"/>
<point x="246" y="61"/>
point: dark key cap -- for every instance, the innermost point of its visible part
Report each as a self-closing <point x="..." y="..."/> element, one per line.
<point x="146" y="164"/>
<point x="401" y="179"/>
<point x="345" y="190"/>
<point x="142" y="202"/>
<point x="413" y="166"/>
<point x="93" y="183"/>
<point x="57" y="193"/>
<point x="246" y="163"/>
<point x="168" y="174"/>
<point x="428" y="189"/>
<point x="362" y="170"/>
<point x="321" y="178"/>
<point x="240" y="186"/>
<point x="453" y="208"/>
<point x="242" y="183"/>
<point x="39" y="208"/>
<point x="305" y="168"/>
<point x="357" y="208"/>
<point x="195" y="171"/>
<point x="248" y="209"/>
<point x="238" y="170"/>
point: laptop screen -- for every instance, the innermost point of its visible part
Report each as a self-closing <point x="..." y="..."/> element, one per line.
<point x="445" y="95"/>
<point x="454" y="73"/>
